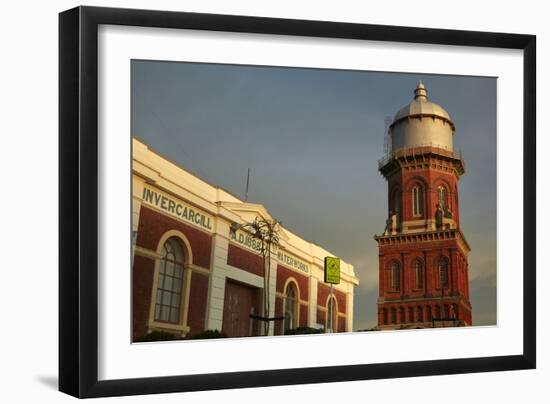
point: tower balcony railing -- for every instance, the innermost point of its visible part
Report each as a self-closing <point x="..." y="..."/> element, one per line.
<point x="421" y="149"/>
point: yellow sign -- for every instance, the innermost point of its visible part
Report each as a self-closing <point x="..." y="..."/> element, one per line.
<point x="332" y="270"/>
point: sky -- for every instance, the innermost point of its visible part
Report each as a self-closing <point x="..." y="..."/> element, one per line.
<point x="312" y="139"/>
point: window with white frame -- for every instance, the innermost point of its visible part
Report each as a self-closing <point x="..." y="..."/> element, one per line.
<point x="170" y="282"/>
<point x="291" y="305"/>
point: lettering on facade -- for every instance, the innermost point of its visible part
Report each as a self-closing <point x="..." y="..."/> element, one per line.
<point x="178" y="209"/>
<point x="286" y="259"/>
<point x="254" y="244"/>
<point x="247" y="241"/>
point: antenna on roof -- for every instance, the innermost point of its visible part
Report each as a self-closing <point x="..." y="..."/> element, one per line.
<point x="247" y="183"/>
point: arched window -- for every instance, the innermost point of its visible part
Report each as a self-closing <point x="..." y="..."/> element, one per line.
<point x="384" y="316"/>
<point x="418" y="274"/>
<point x="411" y="314"/>
<point x="291" y="305"/>
<point x="437" y="312"/>
<point x="395" y="202"/>
<point x="331" y="315"/>
<point x="446" y="312"/>
<point x="395" y="275"/>
<point x="402" y="315"/>
<point x="393" y="315"/>
<point x="454" y="313"/>
<point x="417" y="201"/>
<point x="169" y="282"/>
<point x="443" y="272"/>
<point x="442" y="197"/>
<point x="419" y="314"/>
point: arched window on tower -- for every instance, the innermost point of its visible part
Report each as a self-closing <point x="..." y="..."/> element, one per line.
<point x="418" y="274"/>
<point x="417" y="200"/>
<point x="395" y="274"/>
<point x="443" y="272"/>
<point x="444" y="201"/>
<point x="395" y="202"/>
<point x="169" y="282"/>
<point x="442" y="197"/>
<point x="290" y="307"/>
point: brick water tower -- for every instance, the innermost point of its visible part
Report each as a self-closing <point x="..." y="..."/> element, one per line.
<point x="423" y="255"/>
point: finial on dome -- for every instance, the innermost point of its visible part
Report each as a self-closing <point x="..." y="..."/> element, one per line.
<point x="420" y="92"/>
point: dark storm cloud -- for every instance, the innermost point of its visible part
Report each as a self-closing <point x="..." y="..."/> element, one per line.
<point x="312" y="139"/>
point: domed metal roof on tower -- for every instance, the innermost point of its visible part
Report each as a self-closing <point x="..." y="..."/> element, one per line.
<point x="421" y="107"/>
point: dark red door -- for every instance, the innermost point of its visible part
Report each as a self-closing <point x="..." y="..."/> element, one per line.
<point x="240" y="301"/>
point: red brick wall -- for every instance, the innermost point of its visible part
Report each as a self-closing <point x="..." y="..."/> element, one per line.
<point x="429" y="253"/>
<point x="152" y="225"/>
<point x="245" y="260"/>
<point x="321" y="316"/>
<point x="283" y="273"/>
<point x="303" y="315"/>
<point x="278" y="313"/>
<point x="341" y="324"/>
<point x="430" y="180"/>
<point x="464" y="312"/>
<point x="322" y="295"/>
<point x="198" y="293"/>
<point x="142" y="281"/>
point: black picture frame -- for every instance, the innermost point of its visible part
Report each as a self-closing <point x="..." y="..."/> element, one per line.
<point x="78" y="196"/>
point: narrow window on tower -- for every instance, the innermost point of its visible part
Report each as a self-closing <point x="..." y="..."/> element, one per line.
<point x="444" y="202"/>
<point x="395" y="274"/>
<point x="418" y="274"/>
<point x="446" y="311"/>
<point x="442" y="197"/>
<point x="419" y="316"/>
<point x="395" y="203"/>
<point x="417" y="201"/>
<point x="443" y="273"/>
